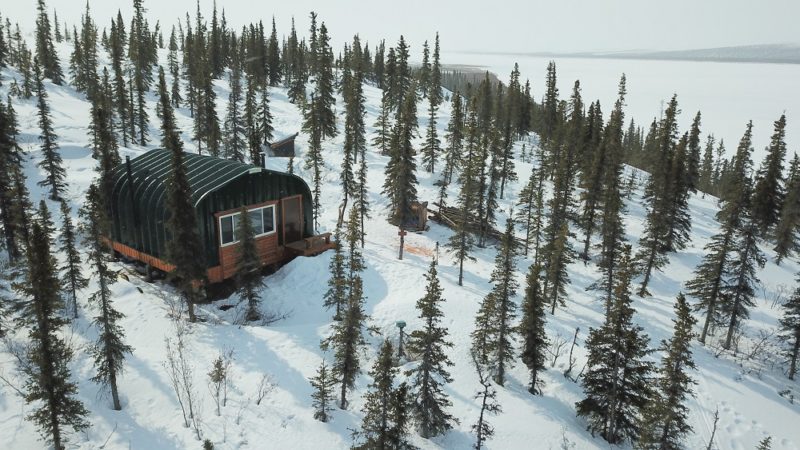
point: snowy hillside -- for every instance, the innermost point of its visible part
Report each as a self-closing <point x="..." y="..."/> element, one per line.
<point x="744" y="389"/>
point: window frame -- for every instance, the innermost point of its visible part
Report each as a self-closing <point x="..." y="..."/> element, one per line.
<point x="236" y="213"/>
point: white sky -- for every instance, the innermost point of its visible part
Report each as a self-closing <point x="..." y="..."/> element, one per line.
<point x="491" y="25"/>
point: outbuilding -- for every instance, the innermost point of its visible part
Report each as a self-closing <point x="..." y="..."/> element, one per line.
<point x="279" y="205"/>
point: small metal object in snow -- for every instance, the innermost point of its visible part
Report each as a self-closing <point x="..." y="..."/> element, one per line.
<point x="400" y="324"/>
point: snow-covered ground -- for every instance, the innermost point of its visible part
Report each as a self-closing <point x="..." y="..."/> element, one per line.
<point x="745" y="392"/>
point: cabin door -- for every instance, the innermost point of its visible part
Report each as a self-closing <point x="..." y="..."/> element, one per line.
<point x="292" y="219"/>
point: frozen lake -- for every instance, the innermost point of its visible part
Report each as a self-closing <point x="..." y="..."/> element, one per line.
<point x="727" y="94"/>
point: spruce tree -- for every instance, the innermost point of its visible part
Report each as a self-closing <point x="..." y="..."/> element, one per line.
<point x="462" y="242"/>
<point x="706" y="176"/>
<point x="530" y="211"/>
<point x="556" y="274"/>
<point x="72" y="278"/>
<point x="379" y="427"/>
<point x="174" y="69"/>
<point x="51" y="161"/>
<point x="785" y="233"/>
<point x="617" y="379"/>
<point x="48" y="386"/>
<point x="313" y="126"/>
<point x="235" y="131"/>
<point x="431" y="148"/>
<point x="347" y="338"/>
<point x="142" y="61"/>
<point x="354" y="133"/>
<point x="708" y="281"/>
<point x="400" y="185"/>
<point x="455" y="138"/>
<point x="435" y="86"/>
<point x="765" y="444"/>
<point x="666" y="419"/>
<point x="117" y="55"/>
<point x="654" y="243"/>
<point x="264" y="116"/>
<point x="110" y="349"/>
<point x="769" y="191"/>
<point x="336" y="295"/>
<point x="322" y="69"/>
<point x="430" y="402"/>
<point x="494" y="332"/>
<point x="383" y="126"/>
<point x="248" y="266"/>
<point x="738" y="291"/>
<point x="46" y="55"/>
<point x="790" y="331"/>
<point x="693" y="156"/>
<point x="323" y="396"/>
<point x="183" y="244"/>
<point x="11" y="158"/>
<point x="532" y="330"/>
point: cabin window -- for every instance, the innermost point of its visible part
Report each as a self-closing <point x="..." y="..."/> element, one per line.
<point x="262" y="219"/>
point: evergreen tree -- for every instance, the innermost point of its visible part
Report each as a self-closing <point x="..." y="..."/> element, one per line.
<point x="666" y="421"/>
<point x="46" y="56"/>
<point x="769" y="192"/>
<point x="273" y="57"/>
<point x="455" y="139"/>
<point x="313" y="126"/>
<point x="323" y="396"/>
<point x="347" y="338"/>
<point x="10" y="164"/>
<point x="693" y="156"/>
<point x="248" y="268"/>
<point x="706" y="180"/>
<point x="535" y="342"/>
<point x="354" y="133"/>
<point x="765" y="444"/>
<point x="556" y="274"/>
<point x="264" y="117"/>
<point x="142" y="60"/>
<point x="435" y="87"/>
<point x="110" y="349"/>
<point x="379" y="428"/>
<point x="592" y="175"/>
<point x="708" y="281"/>
<point x="738" y="290"/>
<point x="654" y="243"/>
<point x="430" y="402"/>
<point x="431" y="148"/>
<point x="323" y="81"/>
<point x="493" y="334"/>
<point x="72" y="278"/>
<point x="51" y="161"/>
<point x="183" y="245"/>
<point x="530" y="211"/>
<point x="550" y="117"/>
<point x="400" y="185"/>
<point x="785" y="232"/>
<point x="790" y="331"/>
<point x="461" y="242"/>
<point x="48" y="386"/>
<point x="362" y="192"/>
<point x="336" y="295"/>
<point x="235" y="131"/>
<point x="617" y="380"/>
<point x="175" y="70"/>
<point x="611" y="227"/>
<point x="383" y="126"/>
<point x="117" y="54"/>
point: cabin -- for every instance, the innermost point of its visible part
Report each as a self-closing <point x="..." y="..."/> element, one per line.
<point x="279" y="205"/>
<point x="283" y="148"/>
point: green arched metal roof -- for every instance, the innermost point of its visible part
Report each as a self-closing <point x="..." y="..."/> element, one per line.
<point x="150" y="173"/>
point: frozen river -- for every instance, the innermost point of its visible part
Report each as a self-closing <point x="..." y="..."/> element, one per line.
<point x="727" y="94"/>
